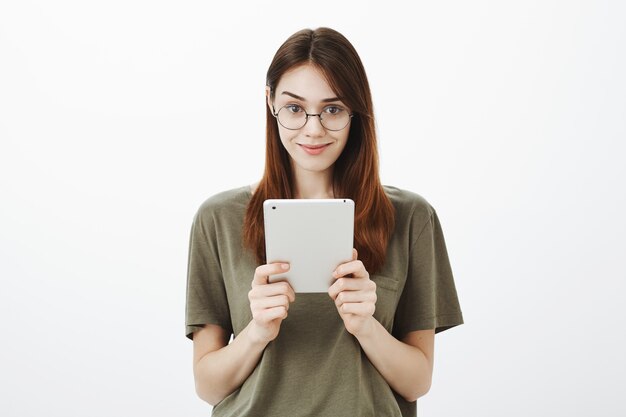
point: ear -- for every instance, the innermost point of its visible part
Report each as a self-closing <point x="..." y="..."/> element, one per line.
<point x="268" y="97"/>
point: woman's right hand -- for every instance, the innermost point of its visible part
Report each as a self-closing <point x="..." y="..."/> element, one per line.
<point x="269" y="303"/>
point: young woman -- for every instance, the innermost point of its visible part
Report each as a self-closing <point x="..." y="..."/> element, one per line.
<point x="366" y="347"/>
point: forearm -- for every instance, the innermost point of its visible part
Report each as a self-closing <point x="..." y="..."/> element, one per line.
<point x="405" y="368"/>
<point x="219" y="373"/>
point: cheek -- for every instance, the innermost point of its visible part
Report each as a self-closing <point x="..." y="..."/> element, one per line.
<point x="286" y="136"/>
<point x="343" y="140"/>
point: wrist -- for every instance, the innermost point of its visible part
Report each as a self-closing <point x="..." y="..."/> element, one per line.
<point x="254" y="336"/>
<point x="368" y="330"/>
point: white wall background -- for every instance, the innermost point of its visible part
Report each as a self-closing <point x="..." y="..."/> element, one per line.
<point x="118" y="118"/>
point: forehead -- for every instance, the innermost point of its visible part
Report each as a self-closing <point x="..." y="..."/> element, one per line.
<point x="305" y="81"/>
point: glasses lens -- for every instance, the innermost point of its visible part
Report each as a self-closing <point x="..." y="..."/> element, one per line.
<point x="335" y="118"/>
<point x="292" y="117"/>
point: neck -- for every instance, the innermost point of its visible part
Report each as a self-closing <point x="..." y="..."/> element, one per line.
<point x="311" y="184"/>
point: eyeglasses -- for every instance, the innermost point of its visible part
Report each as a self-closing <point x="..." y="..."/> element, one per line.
<point x="294" y="117"/>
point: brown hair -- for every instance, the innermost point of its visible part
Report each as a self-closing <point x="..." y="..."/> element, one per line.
<point x="355" y="173"/>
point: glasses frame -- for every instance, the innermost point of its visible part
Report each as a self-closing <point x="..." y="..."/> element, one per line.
<point x="306" y="120"/>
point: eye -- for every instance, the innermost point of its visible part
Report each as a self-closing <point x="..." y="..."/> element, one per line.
<point x="333" y="110"/>
<point x="293" y="108"/>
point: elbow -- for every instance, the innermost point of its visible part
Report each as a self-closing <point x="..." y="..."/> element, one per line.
<point x="210" y="388"/>
<point x="421" y="387"/>
<point x="207" y="395"/>
<point x="205" y="390"/>
<point x="419" y="392"/>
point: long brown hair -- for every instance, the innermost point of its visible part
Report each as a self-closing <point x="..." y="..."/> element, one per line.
<point x="355" y="173"/>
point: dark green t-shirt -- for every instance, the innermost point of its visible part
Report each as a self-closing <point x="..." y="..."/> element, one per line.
<point x="315" y="367"/>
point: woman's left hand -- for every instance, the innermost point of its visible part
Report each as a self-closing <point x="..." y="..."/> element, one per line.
<point x="354" y="296"/>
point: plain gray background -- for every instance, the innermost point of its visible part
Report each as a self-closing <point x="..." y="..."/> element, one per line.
<point x="118" y="118"/>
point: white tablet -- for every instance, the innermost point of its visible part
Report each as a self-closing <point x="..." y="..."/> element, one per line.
<point x="313" y="235"/>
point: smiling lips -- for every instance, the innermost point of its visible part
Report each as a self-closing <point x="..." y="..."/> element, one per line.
<point x="314" y="149"/>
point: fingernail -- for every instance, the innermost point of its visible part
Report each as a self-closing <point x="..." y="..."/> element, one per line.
<point x="285" y="266"/>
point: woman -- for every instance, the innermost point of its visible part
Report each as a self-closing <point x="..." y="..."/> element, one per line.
<point x="366" y="347"/>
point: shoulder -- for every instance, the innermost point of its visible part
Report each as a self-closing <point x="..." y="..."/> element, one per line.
<point x="409" y="205"/>
<point x="409" y="202"/>
<point x="224" y="203"/>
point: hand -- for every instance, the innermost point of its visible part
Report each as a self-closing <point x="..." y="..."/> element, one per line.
<point x="269" y="303"/>
<point x="354" y="296"/>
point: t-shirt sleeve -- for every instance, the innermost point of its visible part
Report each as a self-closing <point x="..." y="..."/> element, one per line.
<point x="429" y="298"/>
<point x="206" y="301"/>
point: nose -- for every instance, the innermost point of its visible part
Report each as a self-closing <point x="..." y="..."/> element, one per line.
<point x="313" y="126"/>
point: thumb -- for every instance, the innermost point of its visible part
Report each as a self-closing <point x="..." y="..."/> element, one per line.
<point x="355" y="254"/>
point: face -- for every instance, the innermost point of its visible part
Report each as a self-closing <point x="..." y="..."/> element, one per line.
<point x="304" y="89"/>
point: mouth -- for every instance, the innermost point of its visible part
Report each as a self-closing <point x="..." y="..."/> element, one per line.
<point x="314" y="149"/>
<point x="313" y="146"/>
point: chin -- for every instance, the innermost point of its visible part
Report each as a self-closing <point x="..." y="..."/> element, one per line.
<point x="316" y="166"/>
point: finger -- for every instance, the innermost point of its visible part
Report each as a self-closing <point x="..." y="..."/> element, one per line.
<point x="266" y="316"/>
<point x="270" y="302"/>
<point x="356" y="268"/>
<point x="360" y="296"/>
<point x="275" y="288"/>
<point x="359" y="309"/>
<point x="262" y="272"/>
<point x="355" y="254"/>
<point x="346" y="284"/>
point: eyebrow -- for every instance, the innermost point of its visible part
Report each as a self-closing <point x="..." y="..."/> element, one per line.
<point x="326" y="100"/>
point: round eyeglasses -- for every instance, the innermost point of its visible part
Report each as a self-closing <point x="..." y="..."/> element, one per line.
<point x="294" y="117"/>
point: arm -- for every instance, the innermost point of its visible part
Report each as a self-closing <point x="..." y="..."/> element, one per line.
<point x="220" y="368"/>
<point x="406" y="365"/>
